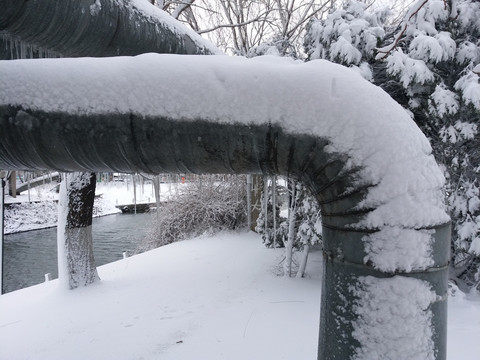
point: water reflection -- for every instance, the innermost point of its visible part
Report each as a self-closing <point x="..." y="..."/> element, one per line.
<point x="29" y="256"/>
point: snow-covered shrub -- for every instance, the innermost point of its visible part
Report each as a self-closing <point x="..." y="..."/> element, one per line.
<point x="310" y="227"/>
<point x="278" y="46"/>
<point x="270" y="236"/>
<point x="297" y="232"/>
<point x="305" y="223"/>
<point x="347" y="36"/>
<point x="209" y="205"/>
<point x="441" y="42"/>
<point x="430" y="65"/>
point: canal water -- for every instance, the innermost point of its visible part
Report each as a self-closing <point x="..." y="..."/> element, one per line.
<point x="28" y="256"/>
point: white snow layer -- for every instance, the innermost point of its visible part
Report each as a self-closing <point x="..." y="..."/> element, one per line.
<point x="414" y="246"/>
<point x="394" y="319"/>
<point x="209" y="298"/>
<point x="317" y="98"/>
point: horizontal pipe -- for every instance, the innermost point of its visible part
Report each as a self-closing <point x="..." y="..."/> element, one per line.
<point x="99" y="28"/>
<point x="317" y="123"/>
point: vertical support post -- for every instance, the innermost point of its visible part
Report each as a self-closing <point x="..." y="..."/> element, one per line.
<point x="13" y="184"/>
<point x="249" y="201"/>
<point x="274" y="209"/>
<point x="2" y="205"/>
<point x="265" y="203"/>
<point x="355" y="293"/>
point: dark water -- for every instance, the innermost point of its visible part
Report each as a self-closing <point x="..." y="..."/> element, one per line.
<point x="30" y="255"/>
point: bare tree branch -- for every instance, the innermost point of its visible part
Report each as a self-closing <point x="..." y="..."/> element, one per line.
<point x="385" y="51"/>
<point x="181" y="7"/>
<point x="233" y="25"/>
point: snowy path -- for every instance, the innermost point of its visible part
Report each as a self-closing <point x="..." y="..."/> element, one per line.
<point x="209" y="298"/>
<point x="216" y="297"/>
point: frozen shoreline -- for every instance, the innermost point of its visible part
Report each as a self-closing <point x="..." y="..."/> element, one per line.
<point x="41" y="213"/>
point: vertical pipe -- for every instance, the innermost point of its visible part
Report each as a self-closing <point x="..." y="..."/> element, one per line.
<point x="346" y="300"/>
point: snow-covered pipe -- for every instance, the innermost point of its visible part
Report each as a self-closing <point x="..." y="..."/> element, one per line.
<point x="385" y="230"/>
<point x="73" y="28"/>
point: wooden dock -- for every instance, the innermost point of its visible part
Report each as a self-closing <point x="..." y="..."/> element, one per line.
<point x="140" y="208"/>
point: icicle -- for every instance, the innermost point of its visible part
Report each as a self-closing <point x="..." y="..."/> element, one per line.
<point x="134" y="194"/>
<point x="23" y="50"/>
<point x="156" y="185"/>
<point x="17" y="54"/>
<point x="10" y="42"/>
<point x="28" y="183"/>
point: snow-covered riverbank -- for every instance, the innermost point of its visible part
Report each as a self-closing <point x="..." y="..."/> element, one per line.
<point x="208" y="298"/>
<point x="39" y="209"/>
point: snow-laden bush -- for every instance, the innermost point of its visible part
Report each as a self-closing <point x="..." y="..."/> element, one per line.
<point x="298" y="232"/>
<point x="265" y="222"/>
<point x="443" y="94"/>
<point x="430" y="65"/>
<point x="207" y="205"/>
<point x="304" y="227"/>
<point x="347" y="36"/>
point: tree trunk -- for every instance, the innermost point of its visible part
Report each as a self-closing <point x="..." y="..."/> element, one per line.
<point x="265" y="204"/>
<point x="303" y="261"/>
<point x="256" y="199"/>
<point x="287" y="268"/>
<point x="76" y="263"/>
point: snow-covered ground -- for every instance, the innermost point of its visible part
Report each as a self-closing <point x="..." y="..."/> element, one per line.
<point x="207" y="298"/>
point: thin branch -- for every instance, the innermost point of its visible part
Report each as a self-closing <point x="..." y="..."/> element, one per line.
<point x="388" y="49"/>
<point x="233" y="25"/>
<point x="476" y="70"/>
<point x="305" y="19"/>
<point x="181" y="8"/>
